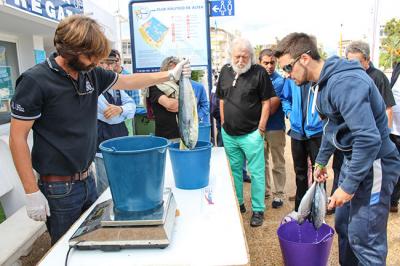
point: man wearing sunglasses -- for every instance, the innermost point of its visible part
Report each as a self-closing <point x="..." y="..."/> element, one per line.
<point x="57" y="99"/>
<point x="244" y="89"/>
<point x="355" y="123"/>
<point x="305" y="128"/>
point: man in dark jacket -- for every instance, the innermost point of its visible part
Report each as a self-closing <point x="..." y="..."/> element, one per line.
<point x="356" y="123"/>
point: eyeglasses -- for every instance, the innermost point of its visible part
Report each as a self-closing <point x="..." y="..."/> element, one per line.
<point x="289" y="67"/>
<point x="88" y="81"/>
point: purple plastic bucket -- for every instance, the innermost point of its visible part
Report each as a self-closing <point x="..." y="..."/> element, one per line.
<point x="302" y="245"/>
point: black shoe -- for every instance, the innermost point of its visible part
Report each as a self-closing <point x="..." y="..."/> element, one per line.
<point x="246" y="179"/>
<point x="277" y="203"/>
<point x="242" y="208"/>
<point x="394" y="208"/>
<point x="257" y="219"/>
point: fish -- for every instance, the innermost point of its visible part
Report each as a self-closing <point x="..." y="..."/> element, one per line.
<point x="304" y="209"/>
<point x="188" y="121"/>
<point x="318" y="210"/>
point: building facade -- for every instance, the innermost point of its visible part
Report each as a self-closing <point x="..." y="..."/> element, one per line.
<point x="26" y="37"/>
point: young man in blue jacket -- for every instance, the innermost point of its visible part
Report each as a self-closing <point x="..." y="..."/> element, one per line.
<point x="356" y="123"/>
<point x="305" y="132"/>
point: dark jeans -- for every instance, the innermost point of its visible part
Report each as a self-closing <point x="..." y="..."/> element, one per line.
<point x="67" y="201"/>
<point x="301" y="150"/>
<point x="394" y="201"/>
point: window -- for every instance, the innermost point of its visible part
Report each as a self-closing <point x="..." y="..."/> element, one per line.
<point x="8" y="74"/>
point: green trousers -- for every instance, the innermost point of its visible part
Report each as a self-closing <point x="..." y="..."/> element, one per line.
<point x="251" y="148"/>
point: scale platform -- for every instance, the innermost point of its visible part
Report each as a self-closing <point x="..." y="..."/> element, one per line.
<point x="102" y="230"/>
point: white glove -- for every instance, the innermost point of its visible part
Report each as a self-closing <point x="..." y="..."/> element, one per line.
<point x="37" y="206"/>
<point x="183" y="67"/>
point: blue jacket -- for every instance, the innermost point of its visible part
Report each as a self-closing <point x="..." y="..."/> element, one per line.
<point x="277" y="120"/>
<point x="302" y="122"/>
<point x="203" y="107"/>
<point x="355" y="121"/>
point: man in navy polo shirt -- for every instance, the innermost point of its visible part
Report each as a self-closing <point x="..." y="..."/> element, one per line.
<point x="57" y="99"/>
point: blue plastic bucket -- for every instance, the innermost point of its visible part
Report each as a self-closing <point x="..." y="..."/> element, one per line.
<point x="204" y="132"/>
<point x="191" y="168"/>
<point x="302" y="245"/>
<point x="135" y="169"/>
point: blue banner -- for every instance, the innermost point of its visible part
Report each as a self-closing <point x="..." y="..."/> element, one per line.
<point x="54" y="9"/>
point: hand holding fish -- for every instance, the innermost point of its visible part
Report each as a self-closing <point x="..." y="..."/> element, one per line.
<point x="339" y="198"/>
<point x="320" y="173"/>
<point x="182" y="68"/>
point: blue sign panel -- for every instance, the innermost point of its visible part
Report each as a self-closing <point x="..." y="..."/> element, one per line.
<point x="54" y="9"/>
<point x="222" y="8"/>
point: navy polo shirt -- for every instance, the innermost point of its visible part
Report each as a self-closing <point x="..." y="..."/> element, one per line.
<point x="65" y="123"/>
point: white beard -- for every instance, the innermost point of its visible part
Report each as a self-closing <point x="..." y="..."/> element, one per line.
<point x="241" y="70"/>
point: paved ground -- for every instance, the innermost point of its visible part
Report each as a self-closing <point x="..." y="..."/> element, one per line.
<point x="263" y="243"/>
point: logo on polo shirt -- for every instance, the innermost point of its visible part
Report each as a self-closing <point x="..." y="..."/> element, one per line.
<point x="17" y="107"/>
<point x="89" y="87"/>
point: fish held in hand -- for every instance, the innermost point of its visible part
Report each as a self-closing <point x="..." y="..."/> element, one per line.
<point x="306" y="204"/>
<point x="187" y="117"/>
<point x="318" y="210"/>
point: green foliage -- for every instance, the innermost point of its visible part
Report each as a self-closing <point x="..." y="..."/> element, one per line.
<point x="390" y="49"/>
<point x="2" y="215"/>
<point x="322" y="53"/>
<point x="257" y="50"/>
<point x="197" y="75"/>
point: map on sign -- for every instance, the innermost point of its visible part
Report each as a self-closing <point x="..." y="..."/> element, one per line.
<point x="153" y="32"/>
<point x="168" y="28"/>
<point x="221" y="8"/>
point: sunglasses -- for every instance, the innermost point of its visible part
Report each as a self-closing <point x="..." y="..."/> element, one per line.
<point x="289" y="67"/>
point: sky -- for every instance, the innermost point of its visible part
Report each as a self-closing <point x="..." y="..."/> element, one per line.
<point x="263" y="21"/>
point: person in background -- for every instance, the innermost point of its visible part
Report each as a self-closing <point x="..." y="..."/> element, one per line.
<point x="244" y="89"/>
<point x="356" y="123"/>
<point x="134" y="94"/>
<point x="305" y="132"/>
<point x="395" y="133"/>
<point x="275" y="139"/>
<point x="113" y="108"/>
<point x="203" y="105"/>
<point x="164" y="101"/>
<point x="359" y="51"/>
<point x="57" y="99"/>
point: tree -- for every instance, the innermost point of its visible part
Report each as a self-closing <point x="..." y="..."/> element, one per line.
<point x="390" y="49"/>
<point x="257" y="49"/>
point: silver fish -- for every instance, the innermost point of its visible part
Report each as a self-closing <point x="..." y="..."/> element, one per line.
<point x="187" y="118"/>
<point x="318" y="210"/>
<point x="306" y="203"/>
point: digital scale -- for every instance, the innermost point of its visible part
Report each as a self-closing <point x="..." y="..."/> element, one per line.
<point x="105" y="230"/>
